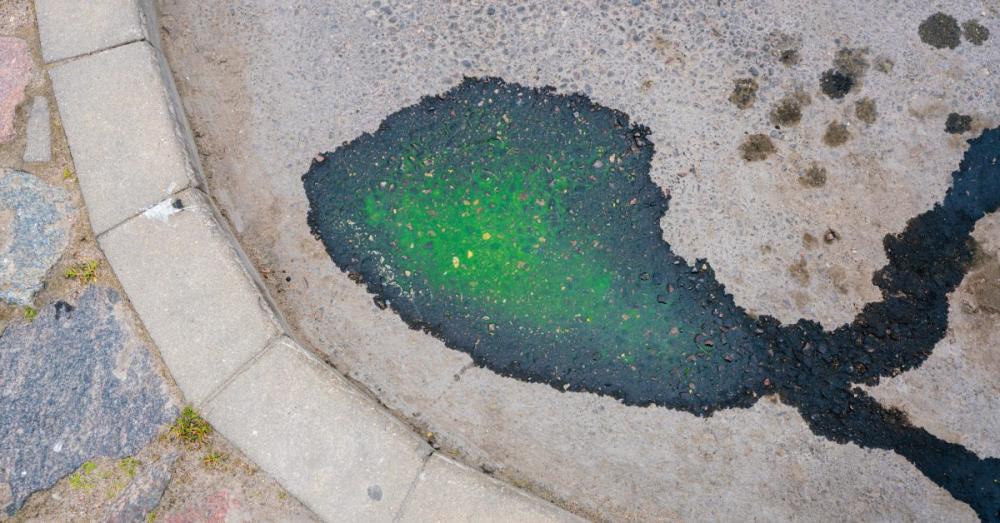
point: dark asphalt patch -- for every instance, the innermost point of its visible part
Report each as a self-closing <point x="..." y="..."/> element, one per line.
<point x="521" y="226"/>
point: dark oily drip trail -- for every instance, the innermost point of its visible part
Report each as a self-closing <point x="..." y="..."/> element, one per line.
<point x="522" y="227"/>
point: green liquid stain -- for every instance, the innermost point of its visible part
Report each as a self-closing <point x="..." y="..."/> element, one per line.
<point x="522" y="227"/>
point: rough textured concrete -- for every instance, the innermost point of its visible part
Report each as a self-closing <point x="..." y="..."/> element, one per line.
<point x="70" y="28"/>
<point x="39" y="146"/>
<point x="323" y="440"/>
<point x="448" y="491"/>
<point x="35" y="223"/>
<point x="269" y="84"/>
<point x="121" y="131"/>
<point x="596" y="456"/>
<point x="198" y="304"/>
<point x="79" y="383"/>
<point x="15" y="74"/>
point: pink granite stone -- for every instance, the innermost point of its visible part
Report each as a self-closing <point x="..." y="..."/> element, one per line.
<point x="15" y="73"/>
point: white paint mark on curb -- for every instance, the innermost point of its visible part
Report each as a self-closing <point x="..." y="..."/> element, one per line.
<point x="162" y="211"/>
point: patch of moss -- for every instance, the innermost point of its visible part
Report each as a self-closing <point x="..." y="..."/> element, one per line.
<point x="82" y="478"/>
<point x="129" y="465"/>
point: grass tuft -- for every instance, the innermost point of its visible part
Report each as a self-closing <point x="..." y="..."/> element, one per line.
<point x="191" y="428"/>
<point x="85" y="272"/>
<point x="213" y="459"/>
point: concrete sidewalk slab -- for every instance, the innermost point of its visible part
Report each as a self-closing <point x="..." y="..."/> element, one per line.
<point x="186" y="282"/>
<point x="449" y="491"/>
<point x="331" y="446"/>
<point x="124" y="136"/>
<point x="69" y="28"/>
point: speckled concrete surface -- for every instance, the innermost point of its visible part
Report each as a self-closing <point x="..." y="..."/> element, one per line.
<point x="796" y="233"/>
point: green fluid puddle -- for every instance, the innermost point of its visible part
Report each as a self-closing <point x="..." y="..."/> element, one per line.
<point x="522" y="227"/>
<point x="515" y="224"/>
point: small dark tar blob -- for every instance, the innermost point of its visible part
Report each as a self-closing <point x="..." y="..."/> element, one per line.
<point x="756" y="147"/>
<point x="835" y="84"/>
<point x="958" y="123"/>
<point x="63" y="307"/>
<point x="830" y="236"/>
<point x="941" y="31"/>
<point x="974" y="32"/>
